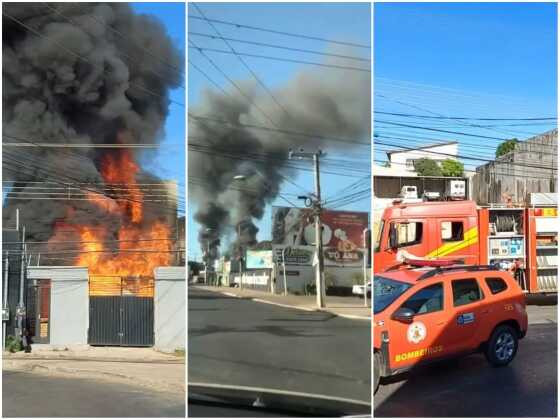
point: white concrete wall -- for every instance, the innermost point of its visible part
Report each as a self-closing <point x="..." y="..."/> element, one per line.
<point x="169" y="308"/>
<point x="438" y="153"/>
<point x="69" y="317"/>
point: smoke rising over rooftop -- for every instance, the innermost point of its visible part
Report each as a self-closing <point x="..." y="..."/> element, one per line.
<point x="84" y="73"/>
<point x="321" y="102"/>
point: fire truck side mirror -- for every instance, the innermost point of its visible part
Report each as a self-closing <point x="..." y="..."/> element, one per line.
<point x="393" y="237"/>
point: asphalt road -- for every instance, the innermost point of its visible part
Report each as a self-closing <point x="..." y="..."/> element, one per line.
<point x="470" y="387"/>
<point x="234" y="341"/>
<point x="33" y="395"/>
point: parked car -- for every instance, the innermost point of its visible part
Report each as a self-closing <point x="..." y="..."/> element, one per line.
<point x="425" y="314"/>
<point x="358" y="289"/>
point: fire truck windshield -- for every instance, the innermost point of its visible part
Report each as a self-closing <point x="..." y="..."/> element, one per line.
<point x="378" y="235"/>
<point x="386" y="291"/>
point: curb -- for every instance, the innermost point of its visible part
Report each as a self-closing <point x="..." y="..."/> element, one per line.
<point x="301" y="308"/>
<point x="94" y="374"/>
<point x="92" y="359"/>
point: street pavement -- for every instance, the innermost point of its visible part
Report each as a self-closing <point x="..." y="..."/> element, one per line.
<point x="345" y="306"/>
<point x="242" y="342"/>
<point x="33" y="395"/>
<point x="470" y="387"/>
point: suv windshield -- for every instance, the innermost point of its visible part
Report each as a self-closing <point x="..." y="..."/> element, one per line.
<point x="386" y="291"/>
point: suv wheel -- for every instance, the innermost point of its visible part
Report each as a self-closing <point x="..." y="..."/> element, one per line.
<point x="502" y="346"/>
<point x="376" y="369"/>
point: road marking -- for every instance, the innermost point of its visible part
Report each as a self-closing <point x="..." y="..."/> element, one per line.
<point x="229" y="294"/>
<point x="302" y="308"/>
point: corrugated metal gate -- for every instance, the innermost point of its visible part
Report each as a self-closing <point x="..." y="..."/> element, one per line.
<point x="121" y="311"/>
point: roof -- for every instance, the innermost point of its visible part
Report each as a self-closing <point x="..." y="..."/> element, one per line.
<point x="429" y="146"/>
<point x="433" y="209"/>
<point x="413" y="275"/>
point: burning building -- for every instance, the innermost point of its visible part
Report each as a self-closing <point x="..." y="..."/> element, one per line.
<point x="81" y="81"/>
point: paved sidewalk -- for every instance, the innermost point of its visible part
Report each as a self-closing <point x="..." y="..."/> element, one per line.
<point x="135" y="366"/>
<point x="542" y="314"/>
<point x="93" y="353"/>
<point x="344" y="306"/>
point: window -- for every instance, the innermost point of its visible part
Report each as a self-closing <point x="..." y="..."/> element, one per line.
<point x="410" y="164"/>
<point x="496" y="284"/>
<point x="409" y="233"/>
<point x="465" y="292"/>
<point x="451" y="231"/>
<point x="429" y="299"/>
<point x="378" y="236"/>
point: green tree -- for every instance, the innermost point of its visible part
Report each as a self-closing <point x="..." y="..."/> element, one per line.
<point x="452" y="167"/>
<point x="427" y="167"/>
<point x="506" y="147"/>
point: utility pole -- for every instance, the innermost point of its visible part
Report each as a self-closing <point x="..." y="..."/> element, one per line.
<point x="5" y="310"/>
<point x="284" y="269"/>
<point x="21" y="308"/>
<point x="240" y="256"/>
<point x="366" y="253"/>
<point x="315" y="202"/>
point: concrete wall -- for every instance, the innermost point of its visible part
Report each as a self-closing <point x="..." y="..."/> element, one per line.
<point x="531" y="167"/>
<point x="69" y="318"/>
<point x="169" y="308"/>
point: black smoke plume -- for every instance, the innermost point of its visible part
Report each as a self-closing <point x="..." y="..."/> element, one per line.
<point x="330" y="103"/>
<point x="78" y="73"/>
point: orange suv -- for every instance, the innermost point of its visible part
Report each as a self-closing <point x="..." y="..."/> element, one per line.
<point x="426" y="314"/>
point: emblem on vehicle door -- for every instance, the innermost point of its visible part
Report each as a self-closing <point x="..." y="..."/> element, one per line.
<point x="416" y="332"/>
<point x="465" y="318"/>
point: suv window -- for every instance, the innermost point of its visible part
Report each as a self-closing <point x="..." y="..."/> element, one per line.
<point x="465" y="291"/>
<point x="496" y="284"/>
<point x="451" y="231"/>
<point x="429" y="299"/>
<point x="409" y="233"/>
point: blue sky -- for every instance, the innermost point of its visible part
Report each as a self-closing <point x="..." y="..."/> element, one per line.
<point x="342" y="21"/>
<point x="496" y="60"/>
<point x="169" y="161"/>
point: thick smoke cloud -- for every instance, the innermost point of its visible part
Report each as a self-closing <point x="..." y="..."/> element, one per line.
<point x="95" y="72"/>
<point x="324" y="102"/>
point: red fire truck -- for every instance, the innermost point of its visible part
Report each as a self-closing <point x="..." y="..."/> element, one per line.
<point x="523" y="240"/>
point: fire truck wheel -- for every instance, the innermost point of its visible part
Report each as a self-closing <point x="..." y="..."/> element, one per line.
<point x="502" y="346"/>
<point x="376" y="365"/>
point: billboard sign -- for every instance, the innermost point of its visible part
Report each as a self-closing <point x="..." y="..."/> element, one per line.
<point x="295" y="255"/>
<point x="342" y="233"/>
<point x="259" y="259"/>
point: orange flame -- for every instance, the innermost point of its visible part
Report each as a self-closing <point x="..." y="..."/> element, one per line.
<point x="119" y="171"/>
<point x="140" y="246"/>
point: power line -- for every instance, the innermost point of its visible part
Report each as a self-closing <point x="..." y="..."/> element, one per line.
<point x="283" y="47"/>
<point x="257" y="28"/>
<point x="437" y="117"/>
<point x="277" y="130"/>
<point x="230" y="80"/>
<point x="240" y="58"/>
<point x="287" y="60"/>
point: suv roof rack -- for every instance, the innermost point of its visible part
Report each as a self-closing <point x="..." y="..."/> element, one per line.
<point x="441" y="270"/>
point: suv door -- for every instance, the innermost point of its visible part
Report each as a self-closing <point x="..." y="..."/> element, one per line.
<point x="467" y="308"/>
<point x="411" y="343"/>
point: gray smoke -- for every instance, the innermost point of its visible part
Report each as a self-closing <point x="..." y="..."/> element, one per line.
<point x="325" y="102"/>
<point x="97" y="72"/>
